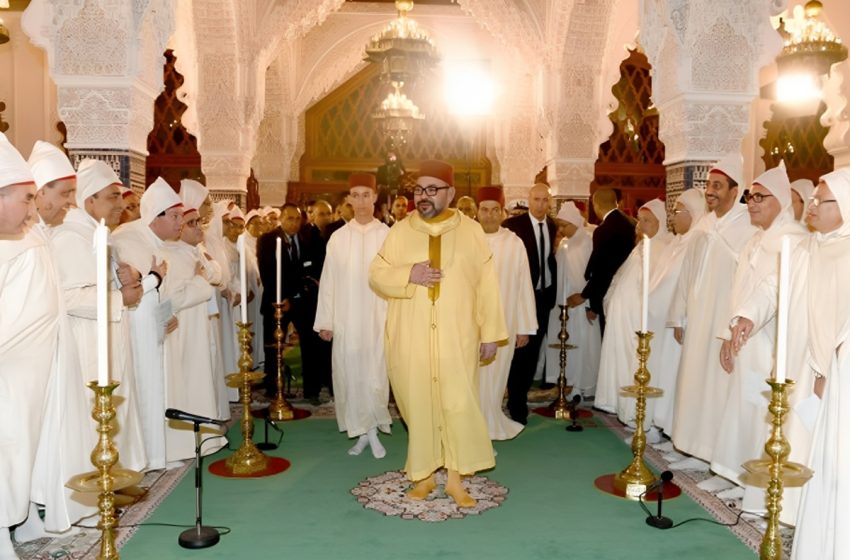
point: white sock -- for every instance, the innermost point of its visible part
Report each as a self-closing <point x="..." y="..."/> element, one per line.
<point x="359" y="446"/>
<point x="7" y="549"/>
<point x="32" y="528"/>
<point x="378" y="451"/>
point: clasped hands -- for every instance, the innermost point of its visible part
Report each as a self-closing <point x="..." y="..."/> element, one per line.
<point x="729" y="349"/>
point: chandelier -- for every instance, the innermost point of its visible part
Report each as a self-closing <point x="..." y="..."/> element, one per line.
<point x="402" y="49"/>
<point x="403" y="53"/>
<point x="397" y="115"/>
<point x="810" y="44"/>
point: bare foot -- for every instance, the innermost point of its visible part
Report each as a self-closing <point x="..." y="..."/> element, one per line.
<point x="422" y="489"/>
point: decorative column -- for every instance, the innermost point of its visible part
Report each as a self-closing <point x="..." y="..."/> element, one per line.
<point x="575" y="95"/>
<point x="705" y="59"/>
<point x="105" y="57"/>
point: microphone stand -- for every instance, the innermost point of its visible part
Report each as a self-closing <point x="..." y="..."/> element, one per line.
<point x="659" y="521"/>
<point x="199" y="536"/>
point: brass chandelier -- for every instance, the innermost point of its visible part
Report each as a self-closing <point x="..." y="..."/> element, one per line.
<point x="403" y="52"/>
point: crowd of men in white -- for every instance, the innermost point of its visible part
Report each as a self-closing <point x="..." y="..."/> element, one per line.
<point x="713" y="293"/>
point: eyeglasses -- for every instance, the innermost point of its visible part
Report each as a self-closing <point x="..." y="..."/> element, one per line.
<point x="757" y="197"/>
<point x="815" y="202"/>
<point x="430" y="190"/>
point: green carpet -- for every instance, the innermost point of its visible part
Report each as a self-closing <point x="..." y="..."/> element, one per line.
<point x="552" y="511"/>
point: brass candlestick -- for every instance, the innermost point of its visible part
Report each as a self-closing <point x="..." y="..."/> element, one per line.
<point x="635" y="478"/>
<point x="775" y="473"/>
<point x="247" y="459"/>
<point x="106" y="479"/>
<point x="560" y="404"/>
<point x="279" y="409"/>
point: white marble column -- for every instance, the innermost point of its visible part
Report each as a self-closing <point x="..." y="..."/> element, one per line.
<point x="105" y="57"/>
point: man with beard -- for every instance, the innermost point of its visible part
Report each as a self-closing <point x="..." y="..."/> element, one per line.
<point x="444" y="316"/>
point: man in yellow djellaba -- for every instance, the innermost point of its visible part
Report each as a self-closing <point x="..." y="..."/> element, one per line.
<point x="444" y="317"/>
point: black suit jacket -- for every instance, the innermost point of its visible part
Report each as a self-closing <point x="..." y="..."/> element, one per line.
<point x="522" y="226"/>
<point x="295" y="268"/>
<point x="613" y="240"/>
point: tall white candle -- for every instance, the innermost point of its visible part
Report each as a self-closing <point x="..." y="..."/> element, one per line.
<point x="277" y="251"/>
<point x="644" y="300"/>
<point x="782" y="312"/>
<point x="243" y="278"/>
<point x="101" y="268"/>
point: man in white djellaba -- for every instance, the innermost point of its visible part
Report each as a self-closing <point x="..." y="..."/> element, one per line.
<point x="354" y="317"/>
<point x="141" y="244"/>
<point x="699" y="312"/>
<point x="190" y="370"/>
<point x="825" y="508"/>
<point x="663" y="360"/>
<point x="55" y="180"/>
<point x="572" y="256"/>
<point x="518" y="305"/>
<point x="29" y="330"/>
<point x="744" y="425"/>
<point x="195" y="196"/>
<point x="63" y="450"/>
<point x="99" y="198"/>
<point x="623" y="308"/>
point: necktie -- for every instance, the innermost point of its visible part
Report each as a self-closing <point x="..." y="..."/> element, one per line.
<point x="542" y="257"/>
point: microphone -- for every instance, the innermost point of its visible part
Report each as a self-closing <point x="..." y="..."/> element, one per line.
<point x="659" y="521"/>
<point x="175" y="414"/>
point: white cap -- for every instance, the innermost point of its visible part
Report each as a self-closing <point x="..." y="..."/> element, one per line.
<point x="804" y="188"/>
<point x="158" y="198"/>
<point x="658" y="209"/>
<point x="839" y="183"/>
<point x="569" y="212"/>
<point x="694" y="201"/>
<point x="251" y="215"/>
<point x="731" y="165"/>
<point x="776" y="181"/>
<point x="48" y="163"/>
<point x="193" y="194"/>
<point x="93" y="176"/>
<point x="236" y="214"/>
<point x="13" y="167"/>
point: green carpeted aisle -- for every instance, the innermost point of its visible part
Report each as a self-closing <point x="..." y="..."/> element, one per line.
<point x="552" y="510"/>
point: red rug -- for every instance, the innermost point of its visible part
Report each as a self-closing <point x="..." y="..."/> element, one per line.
<point x="299" y="413"/>
<point x="276" y="466"/>
<point x="549" y="412"/>
<point x="606" y="484"/>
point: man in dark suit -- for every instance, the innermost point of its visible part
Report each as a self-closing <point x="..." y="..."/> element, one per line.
<point x="299" y="286"/>
<point x="613" y="240"/>
<point x="537" y="231"/>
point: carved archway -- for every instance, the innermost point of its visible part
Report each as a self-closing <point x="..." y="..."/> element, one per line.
<point x="632" y="159"/>
<point x="173" y="152"/>
<point x="342" y="137"/>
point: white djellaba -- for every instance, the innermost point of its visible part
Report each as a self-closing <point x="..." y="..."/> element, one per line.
<point x="72" y="248"/>
<point x="137" y="245"/>
<point x="824" y="513"/>
<point x="708" y="268"/>
<point x="747" y="398"/>
<point x="663" y="360"/>
<point x="583" y="361"/>
<point x="619" y="362"/>
<point x="356" y="317"/>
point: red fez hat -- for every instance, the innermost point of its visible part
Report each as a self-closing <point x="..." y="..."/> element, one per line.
<point x="362" y="180"/>
<point x="439" y="170"/>
<point x="491" y="193"/>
